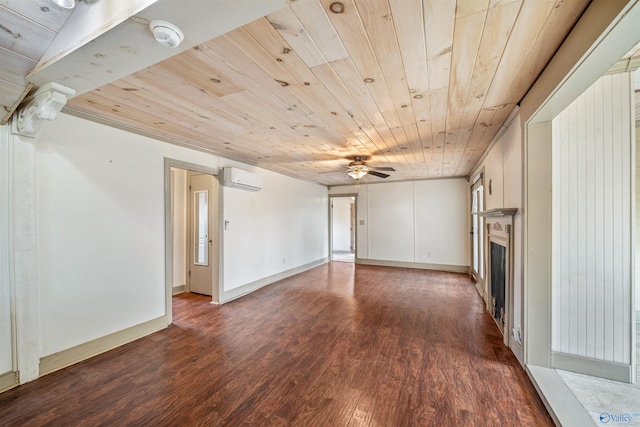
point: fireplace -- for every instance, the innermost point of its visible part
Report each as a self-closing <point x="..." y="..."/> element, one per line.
<point x="497" y="282"/>
<point x="498" y="287"/>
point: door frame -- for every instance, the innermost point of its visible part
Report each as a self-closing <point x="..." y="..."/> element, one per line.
<point x="168" y="235"/>
<point x="479" y="278"/>
<point x="355" y="226"/>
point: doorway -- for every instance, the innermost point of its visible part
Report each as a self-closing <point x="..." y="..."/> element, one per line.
<point x="193" y="200"/>
<point x="343" y="228"/>
<point x="477" y="234"/>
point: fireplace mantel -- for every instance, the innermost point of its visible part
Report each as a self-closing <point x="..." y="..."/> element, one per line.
<point x="499" y="212"/>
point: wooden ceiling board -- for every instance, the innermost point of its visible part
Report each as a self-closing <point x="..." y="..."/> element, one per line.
<point x="322" y="117"/>
<point x="557" y="26"/>
<point x="186" y="99"/>
<point x="15" y="66"/>
<point x="41" y="12"/>
<point x="529" y="23"/>
<point x="409" y="29"/>
<point x="419" y="85"/>
<point x="495" y="35"/>
<point x="318" y="98"/>
<point x="374" y="142"/>
<point x="467" y="36"/>
<point x="22" y="36"/>
<point x="379" y="24"/>
<point x="9" y="92"/>
<point x="497" y="27"/>
<point x="202" y="76"/>
<point x="291" y="29"/>
<point x="313" y="17"/>
<point x="351" y="29"/>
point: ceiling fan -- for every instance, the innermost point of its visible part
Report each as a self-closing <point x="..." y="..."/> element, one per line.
<point x="358" y="168"/>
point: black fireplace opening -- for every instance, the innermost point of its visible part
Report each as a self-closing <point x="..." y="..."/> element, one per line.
<point x="498" y="274"/>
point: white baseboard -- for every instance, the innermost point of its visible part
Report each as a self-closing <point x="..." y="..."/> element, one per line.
<point x="8" y="380"/>
<point x="418" y="265"/>
<point x="563" y="406"/>
<point x="178" y="289"/>
<point x="595" y="368"/>
<point x="68" y="357"/>
<point x="254" y="286"/>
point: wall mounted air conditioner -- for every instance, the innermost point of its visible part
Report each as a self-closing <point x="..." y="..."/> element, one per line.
<point x="242" y="179"/>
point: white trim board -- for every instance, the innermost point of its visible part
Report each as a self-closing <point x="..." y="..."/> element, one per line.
<point x="68" y="357"/>
<point x="418" y="265"/>
<point x="8" y="380"/>
<point x="243" y="290"/>
<point x="563" y="406"/>
<point x="596" y="368"/>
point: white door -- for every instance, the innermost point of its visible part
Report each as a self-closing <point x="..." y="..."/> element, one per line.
<point x="203" y="253"/>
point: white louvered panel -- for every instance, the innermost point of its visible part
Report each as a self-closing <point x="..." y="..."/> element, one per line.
<point x="592" y="223"/>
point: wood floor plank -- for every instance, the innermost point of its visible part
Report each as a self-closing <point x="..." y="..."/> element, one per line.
<point x="339" y="345"/>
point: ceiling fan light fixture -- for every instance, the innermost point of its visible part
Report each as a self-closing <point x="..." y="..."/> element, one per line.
<point x="358" y="171"/>
<point x="66" y="4"/>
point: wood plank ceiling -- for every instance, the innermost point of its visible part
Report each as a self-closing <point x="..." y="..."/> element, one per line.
<point x="27" y="28"/>
<point x="421" y="86"/>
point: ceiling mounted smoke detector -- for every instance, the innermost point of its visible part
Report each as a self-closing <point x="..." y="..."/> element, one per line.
<point x="166" y="34"/>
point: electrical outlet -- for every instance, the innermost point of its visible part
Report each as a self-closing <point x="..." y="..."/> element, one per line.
<point x="517" y="334"/>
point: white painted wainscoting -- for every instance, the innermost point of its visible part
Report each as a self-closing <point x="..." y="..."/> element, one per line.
<point x="592" y="231"/>
<point x="7" y="376"/>
<point x="418" y="224"/>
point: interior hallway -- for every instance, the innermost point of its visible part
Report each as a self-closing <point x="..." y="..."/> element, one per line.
<point x="337" y="345"/>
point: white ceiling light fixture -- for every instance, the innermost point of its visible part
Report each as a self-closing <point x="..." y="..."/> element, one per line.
<point x="358" y="171"/>
<point x="67" y="4"/>
<point x="166" y="33"/>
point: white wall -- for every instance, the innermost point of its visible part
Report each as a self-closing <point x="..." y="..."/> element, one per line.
<point x="179" y="207"/>
<point x="341" y="223"/>
<point x="637" y="260"/>
<point x="425" y="222"/>
<point x="442" y="222"/>
<point x="5" y="281"/>
<point x="494" y="177"/>
<point x="636" y="86"/>
<point x="503" y="166"/>
<point x="591" y="223"/>
<point x="283" y="226"/>
<point x="100" y="217"/>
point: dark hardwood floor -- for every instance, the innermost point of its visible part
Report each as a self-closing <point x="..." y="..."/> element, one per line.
<point x="339" y="345"/>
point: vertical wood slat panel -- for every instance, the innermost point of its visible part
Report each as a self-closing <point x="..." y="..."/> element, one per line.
<point x="592" y="223"/>
<point x="6" y="343"/>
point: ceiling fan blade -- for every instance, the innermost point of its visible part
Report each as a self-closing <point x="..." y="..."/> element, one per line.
<point x="378" y="174"/>
<point x="384" y="168"/>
